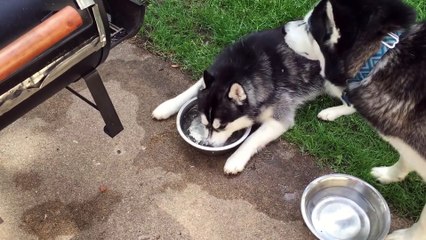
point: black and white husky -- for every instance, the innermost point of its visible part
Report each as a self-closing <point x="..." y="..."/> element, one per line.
<point x="393" y="96"/>
<point x="259" y="79"/>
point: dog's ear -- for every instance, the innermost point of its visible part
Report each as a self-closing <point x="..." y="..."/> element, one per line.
<point x="237" y="94"/>
<point x="320" y="23"/>
<point x="208" y="78"/>
<point x="323" y="26"/>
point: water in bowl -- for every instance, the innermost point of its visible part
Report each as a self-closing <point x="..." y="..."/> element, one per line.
<point x="198" y="133"/>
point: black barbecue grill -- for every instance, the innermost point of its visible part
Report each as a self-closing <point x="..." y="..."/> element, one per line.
<point x="45" y="45"/>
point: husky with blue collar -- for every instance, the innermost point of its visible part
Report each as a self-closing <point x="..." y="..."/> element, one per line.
<point x="393" y="99"/>
<point x="385" y="80"/>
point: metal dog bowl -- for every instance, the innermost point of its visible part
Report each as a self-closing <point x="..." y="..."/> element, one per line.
<point x="344" y="207"/>
<point x="184" y="120"/>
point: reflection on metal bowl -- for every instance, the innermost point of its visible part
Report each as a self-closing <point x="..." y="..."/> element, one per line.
<point x="339" y="206"/>
<point x="188" y="118"/>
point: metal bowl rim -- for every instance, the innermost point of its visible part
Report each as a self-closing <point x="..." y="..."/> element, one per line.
<point x="340" y="175"/>
<point x="206" y="148"/>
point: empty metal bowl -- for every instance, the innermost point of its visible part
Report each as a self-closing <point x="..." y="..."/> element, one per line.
<point x="343" y="207"/>
<point x="184" y="122"/>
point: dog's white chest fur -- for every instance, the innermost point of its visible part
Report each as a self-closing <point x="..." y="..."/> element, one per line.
<point x="301" y="42"/>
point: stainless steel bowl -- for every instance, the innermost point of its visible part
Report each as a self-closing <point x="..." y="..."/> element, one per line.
<point x="343" y="207"/>
<point x="238" y="138"/>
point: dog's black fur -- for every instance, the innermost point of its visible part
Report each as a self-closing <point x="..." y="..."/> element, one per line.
<point x="393" y="100"/>
<point x="362" y="25"/>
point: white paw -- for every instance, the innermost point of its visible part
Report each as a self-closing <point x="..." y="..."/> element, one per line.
<point x="218" y="139"/>
<point x="413" y="233"/>
<point x="235" y="164"/>
<point x="328" y="114"/>
<point x="384" y="175"/>
<point x="165" y="110"/>
<point x="398" y="235"/>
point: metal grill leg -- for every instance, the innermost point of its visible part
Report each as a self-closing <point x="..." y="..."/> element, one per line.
<point x="103" y="102"/>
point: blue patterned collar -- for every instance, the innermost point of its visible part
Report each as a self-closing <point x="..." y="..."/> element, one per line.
<point x="388" y="42"/>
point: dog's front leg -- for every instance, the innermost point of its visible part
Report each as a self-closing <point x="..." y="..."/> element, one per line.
<point x="270" y="130"/>
<point x="172" y="106"/>
<point x="409" y="161"/>
<point x="332" y="113"/>
<point x="415" y="232"/>
<point x="394" y="173"/>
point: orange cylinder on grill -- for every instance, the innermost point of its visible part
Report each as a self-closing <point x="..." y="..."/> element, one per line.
<point x="30" y="45"/>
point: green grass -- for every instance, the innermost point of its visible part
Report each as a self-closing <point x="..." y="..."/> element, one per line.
<point x="192" y="32"/>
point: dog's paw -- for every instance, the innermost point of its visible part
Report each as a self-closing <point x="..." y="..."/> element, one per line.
<point x="384" y="175"/>
<point x="219" y="139"/>
<point x="412" y="233"/>
<point x="235" y="164"/>
<point x="398" y="235"/>
<point x="328" y="114"/>
<point x="165" y="110"/>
